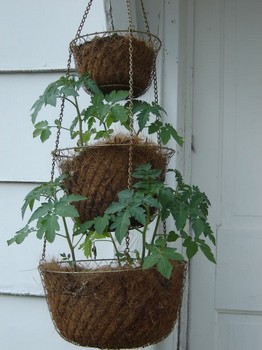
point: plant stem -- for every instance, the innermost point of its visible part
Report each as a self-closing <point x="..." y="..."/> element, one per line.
<point x="156" y="229"/>
<point x="80" y="123"/>
<point x="69" y="243"/>
<point x="144" y="235"/>
<point x="115" y="246"/>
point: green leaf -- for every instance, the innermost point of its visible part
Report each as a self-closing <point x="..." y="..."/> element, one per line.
<point x="174" y="134"/>
<point x="66" y="210"/>
<point x="164" y="267"/>
<point x="119" y="113"/>
<point x="150" y="261"/>
<point x="82" y="228"/>
<point x="198" y="226"/>
<point x="207" y="252"/>
<point x="172" y="236"/>
<point x="121" y="224"/>
<point x="42" y="129"/>
<point x="37" y="106"/>
<point x="139" y="214"/>
<point x="164" y="135"/>
<point x="171" y="253"/>
<point x="181" y="218"/>
<point x="87" y="247"/>
<point x="101" y="223"/>
<point x="143" y="118"/>
<point x="20" y="235"/>
<point x="41" y="228"/>
<point x="191" y="247"/>
<point x="52" y="227"/>
<point x="41" y="211"/>
<point x="116" y="96"/>
<point x="115" y="207"/>
<point x="72" y="198"/>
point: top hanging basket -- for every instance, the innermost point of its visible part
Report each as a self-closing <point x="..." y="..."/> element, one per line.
<point x="105" y="57"/>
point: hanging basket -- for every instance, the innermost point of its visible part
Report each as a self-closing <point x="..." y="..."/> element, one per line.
<point x="112" y="308"/>
<point x="105" y="57"/>
<point x="99" y="172"/>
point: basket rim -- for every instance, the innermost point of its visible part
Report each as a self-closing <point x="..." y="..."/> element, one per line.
<point x="97" y="270"/>
<point x="150" y="35"/>
<point x="59" y="152"/>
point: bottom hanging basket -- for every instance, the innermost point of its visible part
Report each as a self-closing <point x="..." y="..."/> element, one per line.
<point x="112" y="308"/>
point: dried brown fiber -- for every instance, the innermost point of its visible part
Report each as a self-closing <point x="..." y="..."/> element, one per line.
<point x="113" y="309"/>
<point x="100" y="172"/>
<point x="106" y="59"/>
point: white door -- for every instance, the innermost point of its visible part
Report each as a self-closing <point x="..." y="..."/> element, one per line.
<point x="225" y="311"/>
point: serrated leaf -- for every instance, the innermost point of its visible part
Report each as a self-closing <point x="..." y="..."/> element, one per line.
<point x="87" y="247"/>
<point x="45" y="134"/>
<point x="150" y="261"/>
<point x="171" y="253"/>
<point x="174" y="134"/>
<point x="207" y="252"/>
<point x="164" y="267"/>
<point x="52" y="227"/>
<point x="191" y="247"/>
<point x="101" y="222"/>
<point x="41" y="211"/>
<point x="139" y="214"/>
<point x="198" y="226"/>
<point x="121" y="225"/>
<point x="116" y="96"/>
<point x="73" y="198"/>
<point x="172" y="236"/>
<point x="82" y="228"/>
<point x="66" y="210"/>
<point x="181" y="218"/>
<point x="119" y="113"/>
<point x="20" y="235"/>
<point x="115" y="207"/>
<point x="164" y="135"/>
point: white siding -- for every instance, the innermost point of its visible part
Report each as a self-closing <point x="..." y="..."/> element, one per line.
<point x="34" y="39"/>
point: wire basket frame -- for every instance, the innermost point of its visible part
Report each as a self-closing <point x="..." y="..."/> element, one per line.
<point x="101" y="171"/>
<point x="112" y="307"/>
<point x="105" y="57"/>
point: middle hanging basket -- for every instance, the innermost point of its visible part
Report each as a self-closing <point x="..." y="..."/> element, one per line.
<point x="112" y="308"/>
<point x="99" y="172"/>
<point x="105" y="57"/>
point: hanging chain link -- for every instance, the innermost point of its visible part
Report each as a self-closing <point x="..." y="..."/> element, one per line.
<point x="62" y="108"/>
<point x="111" y="16"/>
<point x="59" y="126"/>
<point x="131" y="117"/>
<point x="82" y="23"/>
<point x="145" y="16"/>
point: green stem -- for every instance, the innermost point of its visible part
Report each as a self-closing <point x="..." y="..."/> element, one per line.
<point x="144" y="235"/>
<point x="62" y="128"/>
<point x="74" y="104"/>
<point x="156" y="229"/>
<point x="58" y="234"/>
<point x="115" y="246"/>
<point x="70" y="243"/>
<point x="80" y="123"/>
<point x="102" y="122"/>
<point x="77" y="243"/>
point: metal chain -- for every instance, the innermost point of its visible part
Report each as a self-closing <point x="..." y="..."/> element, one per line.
<point x="131" y="117"/>
<point x="145" y="16"/>
<point x="62" y="107"/>
<point x="156" y="99"/>
<point x="59" y="126"/>
<point x="158" y="134"/>
<point x="111" y="16"/>
<point x="79" y="30"/>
